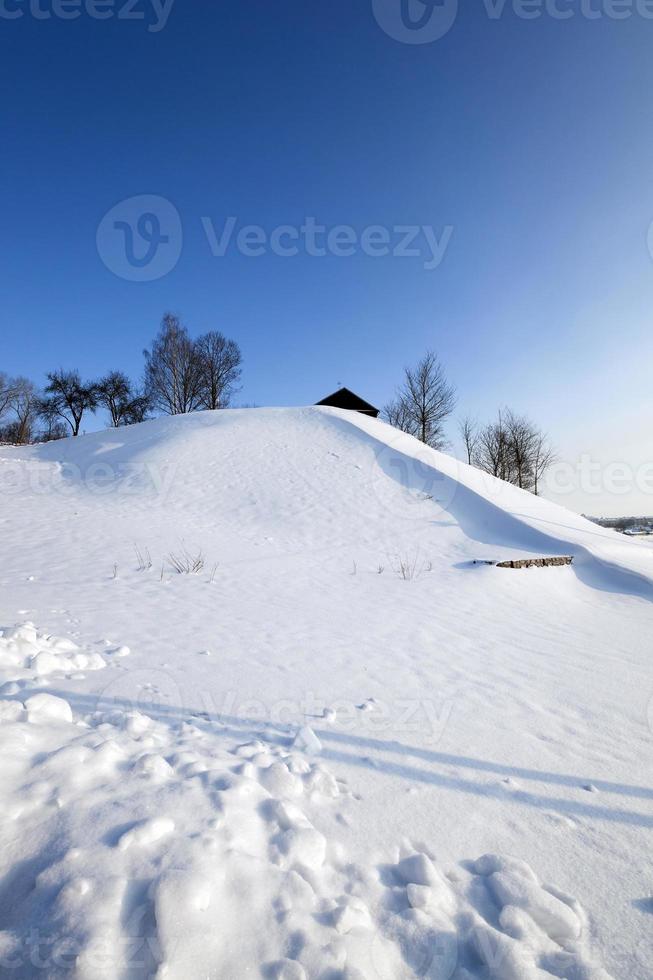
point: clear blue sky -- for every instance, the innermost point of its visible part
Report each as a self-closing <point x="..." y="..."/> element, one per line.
<point x="533" y="139"/>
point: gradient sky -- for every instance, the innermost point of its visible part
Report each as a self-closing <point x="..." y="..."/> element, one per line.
<point x="532" y="139"/>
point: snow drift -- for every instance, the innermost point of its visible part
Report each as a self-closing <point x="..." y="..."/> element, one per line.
<point x="330" y="746"/>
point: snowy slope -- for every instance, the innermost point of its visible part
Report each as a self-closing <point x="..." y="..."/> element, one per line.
<point x="300" y="761"/>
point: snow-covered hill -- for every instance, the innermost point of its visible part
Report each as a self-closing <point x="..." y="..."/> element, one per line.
<point x="339" y="748"/>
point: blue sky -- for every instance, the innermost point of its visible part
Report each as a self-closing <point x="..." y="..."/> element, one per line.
<point x="532" y="140"/>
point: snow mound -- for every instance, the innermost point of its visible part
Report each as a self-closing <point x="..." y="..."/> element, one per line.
<point x="177" y="852"/>
<point x="28" y="656"/>
<point x="327" y="706"/>
<point x="287" y="465"/>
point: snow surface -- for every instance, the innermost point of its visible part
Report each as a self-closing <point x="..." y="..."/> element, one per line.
<point x="338" y="750"/>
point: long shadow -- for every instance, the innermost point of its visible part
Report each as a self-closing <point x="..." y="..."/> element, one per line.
<point x="542" y="802"/>
<point x="467" y="762"/>
<point x="232" y="726"/>
<point x="644" y="904"/>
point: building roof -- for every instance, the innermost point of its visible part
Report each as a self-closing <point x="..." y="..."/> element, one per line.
<point x="344" y="398"/>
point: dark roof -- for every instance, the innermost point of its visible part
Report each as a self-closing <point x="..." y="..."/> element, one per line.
<point x="344" y="398"/>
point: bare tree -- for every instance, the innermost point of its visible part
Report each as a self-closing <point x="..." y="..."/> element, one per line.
<point x="52" y="426"/>
<point x="397" y="414"/>
<point x="25" y="404"/>
<point x="219" y="361"/>
<point x="488" y="454"/>
<point x="543" y="457"/>
<point x="172" y="373"/>
<point x="136" y="410"/>
<point x="6" y="392"/>
<point x="469" y="434"/>
<point x="429" y="400"/>
<point x="521" y="439"/>
<point x="124" y="404"/>
<point x="113" y="392"/>
<point x="424" y="401"/>
<point x="492" y="453"/>
<point x="69" y="398"/>
<point x="12" y="403"/>
<point x="514" y="449"/>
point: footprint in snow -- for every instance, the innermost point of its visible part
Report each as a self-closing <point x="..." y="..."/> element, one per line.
<point x="119" y="652"/>
<point x="367" y="705"/>
<point x="510" y="783"/>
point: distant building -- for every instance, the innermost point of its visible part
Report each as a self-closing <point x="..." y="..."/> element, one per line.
<point x="344" y="398"/>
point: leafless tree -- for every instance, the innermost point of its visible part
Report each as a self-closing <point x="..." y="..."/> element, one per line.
<point x="69" y="398"/>
<point x="424" y="402"/>
<point x="521" y="439"/>
<point x="125" y="405"/>
<point x="219" y="361"/>
<point x="113" y="392"/>
<point x="490" y="449"/>
<point x="397" y="414"/>
<point x="6" y="392"/>
<point x="514" y="449"/>
<point x="51" y="425"/>
<point x="469" y="434"/>
<point x="543" y="457"/>
<point x="136" y="410"/>
<point x="25" y="404"/>
<point x="172" y="373"/>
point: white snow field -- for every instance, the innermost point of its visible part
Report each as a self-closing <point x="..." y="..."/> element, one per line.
<point x="339" y="749"/>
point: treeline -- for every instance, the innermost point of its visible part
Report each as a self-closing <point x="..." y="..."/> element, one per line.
<point x="623" y="523"/>
<point x="181" y="375"/>
<point x="512" y="447"/>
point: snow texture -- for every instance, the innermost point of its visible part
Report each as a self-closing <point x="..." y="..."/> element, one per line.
<point x="297" y="763"/>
